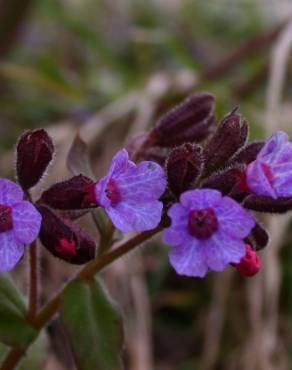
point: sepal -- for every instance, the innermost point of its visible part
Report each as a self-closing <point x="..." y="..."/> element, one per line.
<point x="183" y="166"/>
<point x="229" y="137"/>
<point x="247" y="154"/>
<point x="261" y="203"/>
<point x="188" y="122"/>
<point x="74" y="194"/>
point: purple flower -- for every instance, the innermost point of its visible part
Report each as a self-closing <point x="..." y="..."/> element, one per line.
<point x="129" y="193"/>
<point x="19" y="224"/>
<point x="207" y="232"/>
<point x="271" y="173"/>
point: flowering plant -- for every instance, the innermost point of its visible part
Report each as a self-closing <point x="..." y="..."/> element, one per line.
<point x="197" y="183"/>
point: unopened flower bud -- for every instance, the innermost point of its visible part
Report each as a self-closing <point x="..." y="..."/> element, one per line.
<point x="188" y="122"/>
<point x="184" y="165"/>
<point x="229" y="137"/>
<point x="64" y="239"/>
<point x="227" y="180"/>
<point x="247" y="154"/>
<point x="262" y="203"/>
<point x="75" y="193"/>
<point x="250" y="264"/>
<point x="35" y="151"/>
<point x="259" y="237"/>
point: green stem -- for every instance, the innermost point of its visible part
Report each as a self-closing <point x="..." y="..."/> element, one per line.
<point x="47" y="312"/>
<point x="91" y="269"/>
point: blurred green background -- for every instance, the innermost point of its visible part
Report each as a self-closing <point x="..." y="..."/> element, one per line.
<point x="109" y="68"/>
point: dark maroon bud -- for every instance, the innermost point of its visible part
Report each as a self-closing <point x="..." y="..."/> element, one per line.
<point x="64" y="239"/>
<point x="247" y="154"/>
<point x="261" y="203"/>
<point x="258" y="237"/>
<point x="227" y="180"/>
<point x="229" y="137"/>
<point x="183" y="166"/>
<point x="188" y="122"/>
<point x="35" y="151"/>
<point x="76" y="193"/>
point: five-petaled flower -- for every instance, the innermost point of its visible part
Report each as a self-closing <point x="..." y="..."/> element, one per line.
<point x="19" y="224"/>
<point x="130" y="193"/>
<point x="207" y="232"/>
<point x="271" y="173"/>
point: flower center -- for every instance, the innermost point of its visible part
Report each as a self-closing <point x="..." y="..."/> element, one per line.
<point x="6" y="221"/>
<point x="202" y="223"/>
<point x="112" y="192"/>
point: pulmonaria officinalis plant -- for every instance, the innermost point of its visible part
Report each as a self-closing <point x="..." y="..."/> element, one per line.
<point x="197" y="182"/>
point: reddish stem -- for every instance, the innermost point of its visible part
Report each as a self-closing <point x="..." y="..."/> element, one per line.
<point x="33" y="284"/>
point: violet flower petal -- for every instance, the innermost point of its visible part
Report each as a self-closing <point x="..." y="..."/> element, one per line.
<point x="26" y="222"/>
<point x="200" y="198"/>
<point x="221" y="250"/>
<point x="120" y="163"/>
<point x="11" y="251"/>
<point x="257" y="180"/>
<point x="178" y="232"/>
<point x="146" y="181"/>
<point x="188" y="259"/>
<point x="271" y="173"/>
<point x="10" y="193"/>
<point x="234" y="219"/>
<point x="131" y="215"/>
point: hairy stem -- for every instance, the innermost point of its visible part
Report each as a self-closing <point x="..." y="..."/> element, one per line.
<point x="47" y="312"/>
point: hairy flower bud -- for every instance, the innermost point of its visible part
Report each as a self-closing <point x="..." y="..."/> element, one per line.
<point x="188" y="122"/>
<point x="258" y="238"/>
<point x="250" y="264"/>
<point x="229" y="137"/>
<point x="184" y="165"/>
<point x="262" y="203"/>
<point x="247" y="154"/>
<point x="75" y="193"/>
<point x="64" y="239"/>
<point x="35" y="151"/>
<point x="227" y="180"/>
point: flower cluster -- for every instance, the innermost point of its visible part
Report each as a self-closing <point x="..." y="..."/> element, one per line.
<point x="199" y="183"/>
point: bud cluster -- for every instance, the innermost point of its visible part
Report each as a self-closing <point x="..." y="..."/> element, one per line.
<point x="201" y="180"/>
<point x="200" y="156"/>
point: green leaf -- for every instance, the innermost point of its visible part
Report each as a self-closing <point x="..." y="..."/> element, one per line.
<point x="93" y="325"/>
<point x="10" y="295"/>
<point x="14" y="328"/>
